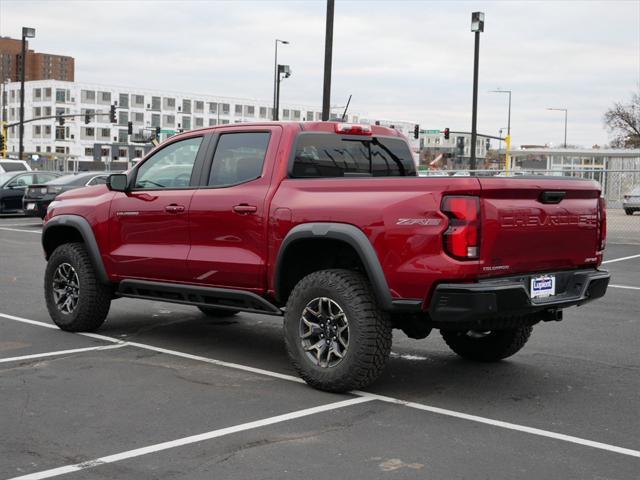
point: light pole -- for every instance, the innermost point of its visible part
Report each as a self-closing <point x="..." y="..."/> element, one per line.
<point x="275" y="79"/>
<point x="282" y="70"/>
<point x="509" y="112"/>
<point x="26" y="33"/>
<point x="565" y="122"/>
<point x="477" y="26"/>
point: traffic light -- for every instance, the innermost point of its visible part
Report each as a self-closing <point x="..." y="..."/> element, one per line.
<point x="2" y="143"/>
<point x="130" y="128"/>
<point x="460" y="146"/>
<point x="157" y="133"/>
<point x="416" y="131"/>
<point x="87" y="119"/>
<point x="446" y="133"/>
<point x="112" y="114"/>
<point x="60" y="120"/>
<point x="487" y="144"/>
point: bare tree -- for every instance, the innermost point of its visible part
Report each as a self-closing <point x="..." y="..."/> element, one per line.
<point x="623" y="121"/>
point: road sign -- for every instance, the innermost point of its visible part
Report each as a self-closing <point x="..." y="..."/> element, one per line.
<point x="170" y="132"/>
<point x="430" y="131"/>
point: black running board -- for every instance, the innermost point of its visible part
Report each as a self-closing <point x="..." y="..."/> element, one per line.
<point x="197" y="296"/>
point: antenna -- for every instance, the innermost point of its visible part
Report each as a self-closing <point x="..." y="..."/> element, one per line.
<point x="344" y="114"/>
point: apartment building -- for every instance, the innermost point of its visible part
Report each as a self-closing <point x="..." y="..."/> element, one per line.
<point x="38" y="66"/>
<point x="100" y="140"/>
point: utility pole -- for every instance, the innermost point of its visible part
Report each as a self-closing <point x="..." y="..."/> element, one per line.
<point x="328" y="53"/>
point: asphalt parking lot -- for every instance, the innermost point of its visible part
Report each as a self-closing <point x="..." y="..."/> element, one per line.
<point x="164" y="392"/>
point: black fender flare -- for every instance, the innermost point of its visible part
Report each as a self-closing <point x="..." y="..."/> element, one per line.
<point x="351" y="235"/>
<point x="81" y="225"/>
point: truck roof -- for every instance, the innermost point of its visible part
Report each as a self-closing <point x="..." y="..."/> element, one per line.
<point x="328" y="127"/>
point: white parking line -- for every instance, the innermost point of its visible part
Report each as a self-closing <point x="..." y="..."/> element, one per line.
<point x="61" y="352"/>
<point x="158" y="447"/>
<point x="397" y="401"/>
<point x="621" y="259"/>
<point x="20" y="224"/>
<point x="19" y="230"/>
<point x="627" y="287"/>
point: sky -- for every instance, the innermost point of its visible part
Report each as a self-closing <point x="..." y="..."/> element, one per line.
<point x="400" y="59"/>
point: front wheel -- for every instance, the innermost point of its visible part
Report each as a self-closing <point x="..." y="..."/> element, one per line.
<point x="487" y="346"/>
<point x="76" y="300"/>
<point x="628" y="211"/>
<point x="336" y="336"/>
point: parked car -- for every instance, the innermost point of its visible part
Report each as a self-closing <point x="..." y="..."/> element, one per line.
<point x="327" y="225"/>
<point x="14" y="184"/>
<point x="38" y="196"/>
<point x="631" y="201"/>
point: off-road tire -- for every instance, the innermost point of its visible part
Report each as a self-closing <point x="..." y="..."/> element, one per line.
<point x="369" y="333"/>
<point x="94" y="297"/>
<point x="218" y="312"/>
<point x="492" y="347"/>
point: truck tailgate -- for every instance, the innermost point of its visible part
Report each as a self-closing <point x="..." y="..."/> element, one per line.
<point x="537" y="225"/>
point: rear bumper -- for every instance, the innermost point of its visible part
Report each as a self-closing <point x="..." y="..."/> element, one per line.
<point x="470" y="304"/>
<point x="39" y="207"/>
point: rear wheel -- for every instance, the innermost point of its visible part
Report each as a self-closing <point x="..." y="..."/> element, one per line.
<point x="336" y="336"/>
<point x="487" y="346"/>
<point x="76" y="300"/>
<point x="217" y="312"/>
<point x="628" y="211"/>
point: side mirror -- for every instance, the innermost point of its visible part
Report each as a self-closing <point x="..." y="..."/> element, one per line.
<point x="117" y="182"/>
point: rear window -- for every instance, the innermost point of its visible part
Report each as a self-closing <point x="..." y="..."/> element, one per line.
<point x="326" y="155"/>
<point x="13" y="166"/>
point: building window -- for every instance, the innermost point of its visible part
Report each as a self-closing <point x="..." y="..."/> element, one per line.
<point x="105" y="133"/>
<point x="250" y="111"/>
<point x="137" y="100"/>
<point x="224" y="122"/>
<point x="38" y="148"/>
<point x="86" y="96"/>
<point x="47" y="130"/>
<point x="238" y="110"/>
<point x="123" y="118"/>
<point x="226" y="109"/>
<point x="213" y="122"/>
<point x="155" y="103"/>
<point x="186" y="106"/>
<point x="170" y="120"/>
<point x="60" y="133"/>
<point x="88" y="152"/>
<point x="263" y="112"/>
<point x="285" y="114"/>
<point x="105" y="97"/>
<point x="199" y="122"/>
<point x="47" y="111"/>
<point x="123" y="136"/>
<point x="37" y="111"/>
<point x="138" y="117"/>
<point x="88" y="132"/>
<point x="296" y="114"/>
<point x="37" y="93"/>
<point x="309" y="116"/>
<point x="213" y="107"/>
<point x="186" y="123"/>
<point x="169" y="103"/>
<point x="199" y="107"/>
<point x="155" y="120"/>
<point x="61" y="95"/>
<point x="37" y="130"/>
<point x="123" y="100"/>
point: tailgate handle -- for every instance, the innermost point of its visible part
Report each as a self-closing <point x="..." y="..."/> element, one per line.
<point x="552" y="197"/>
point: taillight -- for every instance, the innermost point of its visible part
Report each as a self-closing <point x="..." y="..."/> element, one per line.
<point x="462" y="238"/>
<point x="602" y="223"/>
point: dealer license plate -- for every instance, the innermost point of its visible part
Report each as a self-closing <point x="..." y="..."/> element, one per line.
<point x="544" y="286"/>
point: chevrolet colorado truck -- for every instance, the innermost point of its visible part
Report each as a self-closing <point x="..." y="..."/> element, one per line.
<point x="329" y="226"/>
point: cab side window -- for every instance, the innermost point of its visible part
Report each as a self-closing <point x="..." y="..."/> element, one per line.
<point x="169" y="168"/>
<point x="97" y="181"/>
<point x="22" y="181"/>
<point x="239" y="158"/>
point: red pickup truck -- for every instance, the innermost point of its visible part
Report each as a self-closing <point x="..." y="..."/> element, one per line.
<point x="328" y="225"/>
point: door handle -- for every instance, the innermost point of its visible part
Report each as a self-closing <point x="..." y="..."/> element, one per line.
<point x="244" y="208"/>
<point x="173" y="208"/>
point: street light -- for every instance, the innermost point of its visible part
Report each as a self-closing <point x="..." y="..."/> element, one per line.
<point x="275" y="79"/>
<point x="509" y="111"/>
<point x="565" y="122"/>
<point x="27" y="32"/>
<point x="477" y="26"/>
<point x="283" y="72"/>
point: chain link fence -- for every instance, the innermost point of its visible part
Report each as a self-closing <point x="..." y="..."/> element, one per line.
<point x="621" y="189"/>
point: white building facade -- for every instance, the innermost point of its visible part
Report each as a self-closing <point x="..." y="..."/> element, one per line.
<point x="146" y="109"/>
